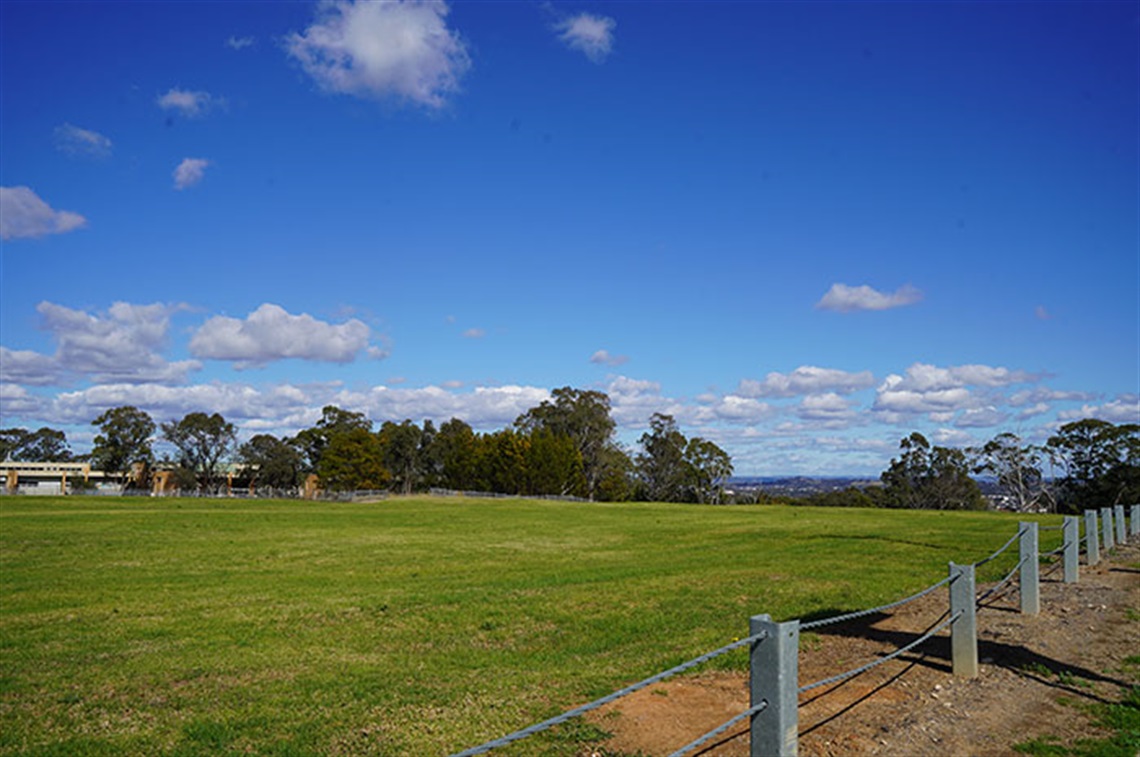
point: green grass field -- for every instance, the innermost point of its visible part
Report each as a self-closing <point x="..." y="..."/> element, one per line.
<point x="412" y="626"/>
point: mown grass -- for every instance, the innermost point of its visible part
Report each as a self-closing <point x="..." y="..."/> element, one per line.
<point x="412" y="626"/>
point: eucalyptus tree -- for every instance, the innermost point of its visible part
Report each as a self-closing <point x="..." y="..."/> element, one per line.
<point x="1101" y="461"/>
<point x="270" y="462"/>
<point x="584" y="417"/>
<point x="1017" y="468"/>
<point x="930" y="478"/>
<point x="203" y="443"/>
<point x="44" y="445"/>
<point x="125" y="439"/>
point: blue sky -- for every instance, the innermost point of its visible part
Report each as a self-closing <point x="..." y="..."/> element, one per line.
<point x="803" y="229"/>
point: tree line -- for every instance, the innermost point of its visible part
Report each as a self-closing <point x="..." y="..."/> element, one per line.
<point x="1086" y="464"/>
<point x="566" y="446"/>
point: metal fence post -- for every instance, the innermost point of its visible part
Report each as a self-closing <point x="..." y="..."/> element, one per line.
<point x="1029" y="574"/>
<point x="1071" y="531"/>
<point x="1136" y="520"/>
<point x="1091" y="537"/>
<point x="1118" y="513"/>
<point x="963" y="629"/>
<point x="1106" y="528"/>
<point x="775" y="678"/>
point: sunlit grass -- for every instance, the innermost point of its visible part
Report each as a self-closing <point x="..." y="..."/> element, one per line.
<point x="411" y="626"/>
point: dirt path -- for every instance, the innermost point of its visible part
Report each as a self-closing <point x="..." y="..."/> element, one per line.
<point x="1034" y="673"/>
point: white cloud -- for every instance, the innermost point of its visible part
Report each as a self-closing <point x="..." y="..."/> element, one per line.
<point x="18" y="402"/>
<point x="270" y="333"/>
<point x="399" y="49"/>
<point x="1123" y="409"/>
<point x="807" y="379"/>
<point x="923" y="377"/>
<point x="189" y="172"/>
<point x="29" y="368"/>
<point x="1042" y="313"/>
<point x="191" y="104"/>
<point x="72" y="140"/>
<point x="731" y="409"/>
<point x="118" y="346"/>
<point x="603" y="357"/>
<point x="589" y="34"/>
<point x="951" y="437"/>
<point x="1042" y="394"/>
<point x="24" y="215"/>
<point x="845" y="299"/>
<point x="829" y="407"/>
<point x="474" y="333"/>
<point x="240" y="43"/>
<point x="633" y="401"/>
<point x="981" y="417"/>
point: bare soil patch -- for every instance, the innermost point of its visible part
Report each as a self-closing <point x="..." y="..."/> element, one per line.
<point x="1035" y="673"/>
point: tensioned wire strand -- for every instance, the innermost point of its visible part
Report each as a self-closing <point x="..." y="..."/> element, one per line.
<point x="569" y="714"/>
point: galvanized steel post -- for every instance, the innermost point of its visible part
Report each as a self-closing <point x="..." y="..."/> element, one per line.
<point x="775" y="673"/>
<point x="1029" y="574"/>
<point x="1071" y="535"/>
<point x="1118" y="513"/>
<point x="963" y="627"/>
<point x="1091" y="537"/>
<point x="1106" y="528"/>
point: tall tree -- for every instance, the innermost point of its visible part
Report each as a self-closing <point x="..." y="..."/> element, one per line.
<point x="661" y="465"/>
<point x="553" y="465"/>
<point x="709" y="467"/>
<point x="124" y="440"/>
<point x="270" y="462"/>
<point x="203" y="442"/>
<point x="353" y="459"/>
<point x="1017" y="469"/>
<point x="930" y="478"/>
<point x="45" y="445"/>
<point x="402" y="454"/>
<point x="583" y="417"/>
<point x="456" y="448"/>
<point x="1101" y="462"/>
<point x="312" y="442"/>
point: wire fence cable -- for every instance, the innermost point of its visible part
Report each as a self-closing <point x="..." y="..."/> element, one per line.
<point x="874" y="664"/>
<point x="873" y="610"/>
<point x="720" y="729"/>
<point x="582" y="710"/>
<point x="1009" y="543"/>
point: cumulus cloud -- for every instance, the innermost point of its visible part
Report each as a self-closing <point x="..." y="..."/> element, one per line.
<point x="189" y="172"/>
<point x="807" y="379"/>
<point x="829" y="408"/>
<point x="72" y="140"/>
<point x="846" y="299"/>
<point x="943" y="391"/>
<point x="474" y="333"/>
<point x="270" y="333"/>
<point x="18" y="402"/>
<point x="191" y="104"/>
<point x="240" y="43"/>
<point x="591" y="35"/>
<point x="1041" y="394"/>
<point x="981" y="417"/>
<point x="923" y="377"/>
<point x="120" y="345"/>
<point x="603" y="357"/>
<point x="400" y="49"/>
<point x="1123" y="409"/>
<point x="23" y="215"/>
<point x="29" y="368"/>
